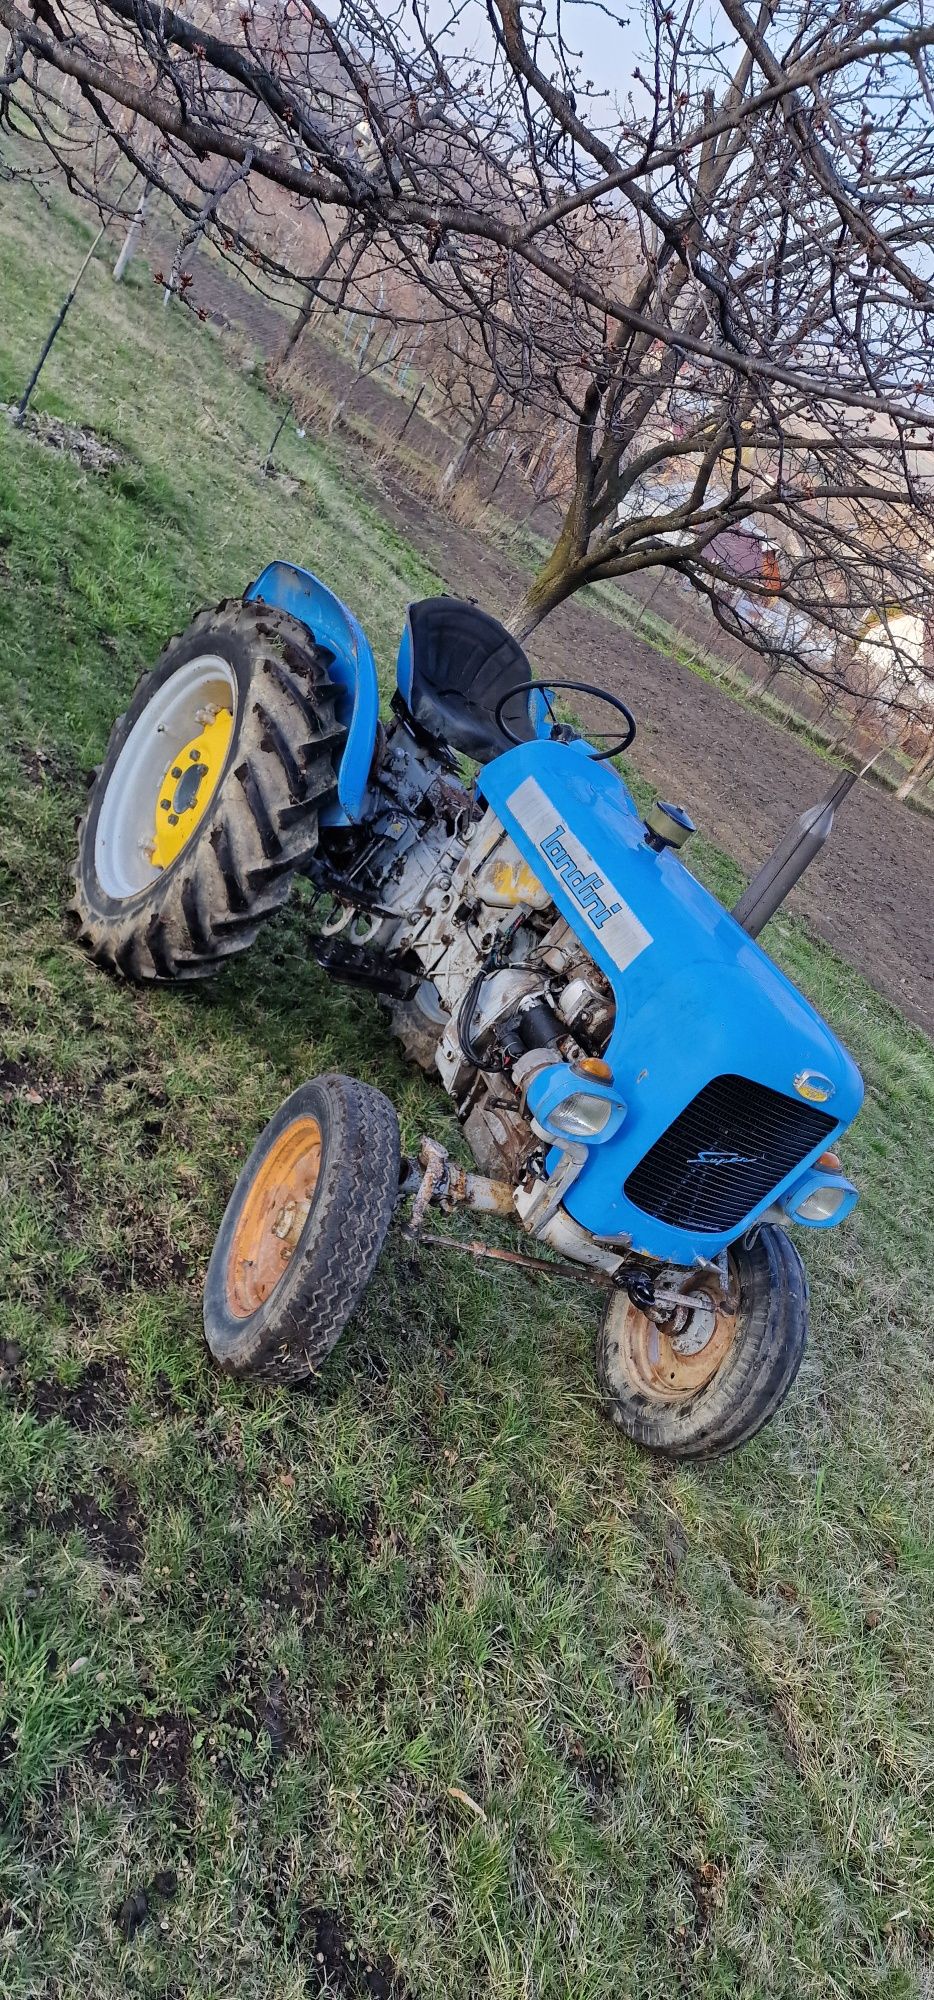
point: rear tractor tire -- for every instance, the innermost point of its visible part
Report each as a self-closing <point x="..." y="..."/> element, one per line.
<point x="302" y="1230"/>
<point x="208" y="797"/>
<point x="704" y="1383"/>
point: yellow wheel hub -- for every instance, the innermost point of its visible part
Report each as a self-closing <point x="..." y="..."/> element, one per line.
<point x="189" y="784"/>
<point x="273" y="1216"/>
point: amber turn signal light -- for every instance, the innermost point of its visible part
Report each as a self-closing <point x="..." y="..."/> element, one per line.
<point x="594" y="1067"/>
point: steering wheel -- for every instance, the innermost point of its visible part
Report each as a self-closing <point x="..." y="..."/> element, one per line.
<point x="546" y="689"/>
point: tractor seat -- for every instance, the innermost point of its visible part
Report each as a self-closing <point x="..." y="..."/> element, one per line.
<point x="455" y="664"/>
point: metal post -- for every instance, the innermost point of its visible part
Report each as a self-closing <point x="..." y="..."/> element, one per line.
<point x="23" y="403"/>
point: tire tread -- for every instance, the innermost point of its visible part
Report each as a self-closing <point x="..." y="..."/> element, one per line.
<point x="286" y="1341"/>
<point x="260" y="827"/>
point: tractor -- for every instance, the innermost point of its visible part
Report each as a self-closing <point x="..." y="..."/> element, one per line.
<point x="644" y="1095"/>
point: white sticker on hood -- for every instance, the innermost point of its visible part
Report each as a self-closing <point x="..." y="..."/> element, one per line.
<point x="617" y="926"/>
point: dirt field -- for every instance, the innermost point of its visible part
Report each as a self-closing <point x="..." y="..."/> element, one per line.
<point x="743" y="778"/>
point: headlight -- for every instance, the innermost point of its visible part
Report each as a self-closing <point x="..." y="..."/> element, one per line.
<point x="822" y="1204"/>
<point x="560" y="1109"/>
<point x="582" y="1115"/>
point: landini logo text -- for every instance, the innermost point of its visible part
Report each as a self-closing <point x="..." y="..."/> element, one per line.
<point x="587" y="890"/>
<point x="622" y="934"/>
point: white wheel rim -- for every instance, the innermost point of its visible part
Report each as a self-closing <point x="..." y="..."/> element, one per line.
<point x="127" y="815"/>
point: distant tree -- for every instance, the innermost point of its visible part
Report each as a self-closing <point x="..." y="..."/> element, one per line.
<point x="134" y="235"/>
<point x="329" y="262"/>
<point x="921" y="770"/>
<point x="720" y="282"/>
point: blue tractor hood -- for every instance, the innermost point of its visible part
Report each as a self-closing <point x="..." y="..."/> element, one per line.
<point x="696" y="997"/>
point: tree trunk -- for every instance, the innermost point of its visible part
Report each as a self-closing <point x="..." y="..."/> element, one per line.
<point x="565" y="569"/>
<point x="131" y="240"/>
<point x="921" y="770"/>
<point x="504" y="468"/>
<point x="413" y="409"/>
<point x="185" y="247"/>
<point x="309" y="301"/>
<point x="461" y="459"/>
<point x="557" y="579"/>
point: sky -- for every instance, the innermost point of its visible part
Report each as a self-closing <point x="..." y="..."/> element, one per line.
<point x="610" y="48"/>
<point x="611" y="37"/>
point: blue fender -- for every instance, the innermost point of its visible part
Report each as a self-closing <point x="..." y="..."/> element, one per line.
<point x="353" y="669"/>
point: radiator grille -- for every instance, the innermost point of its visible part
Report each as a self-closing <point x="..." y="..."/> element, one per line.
<point x="752" y="1138"/>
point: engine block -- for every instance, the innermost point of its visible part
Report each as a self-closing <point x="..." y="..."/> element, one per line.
<point x="442" y="890"/>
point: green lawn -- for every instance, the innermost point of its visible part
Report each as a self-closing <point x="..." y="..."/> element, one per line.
<point x="423" y="1669"/>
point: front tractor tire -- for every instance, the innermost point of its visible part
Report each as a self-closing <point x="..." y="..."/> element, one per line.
<point x="302" y="1230"/>
<point x="208" y="797"/>
<point x="706" y="1382"/>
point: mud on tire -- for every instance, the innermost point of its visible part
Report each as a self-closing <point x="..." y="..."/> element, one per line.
<point x="282" y="1335"/>
<point x="261" y="822"/>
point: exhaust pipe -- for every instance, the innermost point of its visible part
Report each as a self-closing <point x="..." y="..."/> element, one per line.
<point x="785" y="867"/>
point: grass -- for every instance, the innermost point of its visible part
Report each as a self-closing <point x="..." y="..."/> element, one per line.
<point x="424" y="1669"/>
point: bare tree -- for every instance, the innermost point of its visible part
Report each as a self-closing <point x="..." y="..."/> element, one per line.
<point x="190" y="237"/>
<point x="719" y="284"/>
<point x="312" y="295"/>
<point x="921" y="769"/>
<point x="133" y="237"/>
